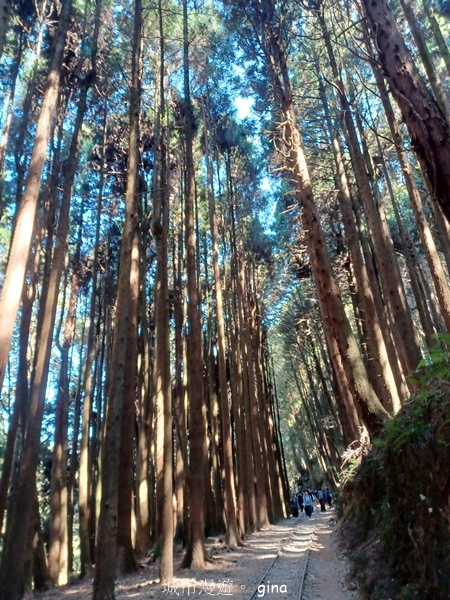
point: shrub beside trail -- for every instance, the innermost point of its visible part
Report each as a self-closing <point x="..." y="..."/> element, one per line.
<point x="396" y="502"/>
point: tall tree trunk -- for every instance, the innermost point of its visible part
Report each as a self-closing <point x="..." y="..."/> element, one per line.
<point x="18" y="525"/>
<point x="9" y="114"/>
<point x="427" y="239"/>
<point x="178" y="400"/>
<point x="233" y="537"/>
<point x="271" y="476"/>
<point x="245" y="504"/>
<point x="440" y="40"/>
<point x="388" y="269"/>
<point x="85" y="480"/>
<point x="161" y="364"/>
<point x="58" y="543"/>
<point x="126" y="312"/>
<point x="241" y="372"/>
<point x="427" y="126"/>
<point x="126" y="560"/>
<point x="336" y="325"/>
<point x="196" y="552"/>
<point x="20" y="407"/>
<point x="73" y="464"/>
<point x="260" y="475"/>
<point x="24" y="223"/>
<point x="432" y="74"/>
<point x="384" y="352"/>
<point x="5" y="7"/>
<point x="144" y="420"/>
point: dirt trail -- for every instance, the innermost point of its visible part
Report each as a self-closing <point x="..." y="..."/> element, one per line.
<point x="327" y="576"/>
<point x="278" y="553"/>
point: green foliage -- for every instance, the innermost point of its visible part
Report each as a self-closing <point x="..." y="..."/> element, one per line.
<point x="397" y="498"/>
<point x="436" y="364"/>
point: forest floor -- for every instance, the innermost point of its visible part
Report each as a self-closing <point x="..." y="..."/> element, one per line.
<point x="250" y="572"/>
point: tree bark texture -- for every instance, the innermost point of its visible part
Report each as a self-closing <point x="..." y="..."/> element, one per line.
<point x="196" y="552"/>
<point x="107" y="543"/>
<point x="427" y="126"/>
<point x="25" y="218"/>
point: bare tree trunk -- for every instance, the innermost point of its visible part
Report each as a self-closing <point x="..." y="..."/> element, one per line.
<point x="161" y="364"/>
<point x="126" y="312"/>
<point x="427" y="126"/>
<point x="336" y="326"/>
<point x="196" y="552"/>
<point x="272" y="491"/>
<point x="58" y="543"/>
<point x="20" y="407"/>
<point x="73" y="464"/>
<point x="5" y="7"/>
<point x="433" y="77"/>
<point x="245" y="514"/>
<point x="85" y="480"/>
<point x="273" y="410"/>
<point x="260" y="475"/>
<point x="389" y="272"/>
<point x="427" y="239"/>
<point x="9" y="114"/>
<point x="241" y="366"/>
<point x="143" y="539"/>
<point x="179" y="406"/>
<point x="440" y="41"/>
<point x="24" y="224"/>
<point x="384" y="352"/>
<point x="233" y="537"/>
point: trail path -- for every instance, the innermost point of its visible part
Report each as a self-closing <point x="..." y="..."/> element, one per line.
<point x="298" y="559"/>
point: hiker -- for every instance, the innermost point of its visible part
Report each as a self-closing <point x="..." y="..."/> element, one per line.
<point x="294" y="506"/>
<point x="328" y="497"/>
<point x="308" y="503"/>
<point x="322" y="501"/>
<point x="300" y="501"/>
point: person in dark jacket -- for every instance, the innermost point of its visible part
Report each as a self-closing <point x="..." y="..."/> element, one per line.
<point x="308" y="502"/>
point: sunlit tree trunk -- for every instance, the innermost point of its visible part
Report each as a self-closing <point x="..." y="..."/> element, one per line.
<point x="25" y="218"/>
<point x="336" y="325"/>
<point x="388" y="269"/>
<point x="195" y="552"/>
<point x="427" y="239"/>
<point x="58" y="543"/>
<point x="427" y="126"/>
<point x="20" y="407"/>
<point x="233" y="537"/>
<point x="179" y="389"/>
<point x="383" y="350"/>
<point x="9" y="115"/>
<point x="432" y="74"/>
<point x="85" y="480"/>
<point x="144" y="431"/>
<point x="126" y="314"/>
<point x="161" y="364"/>
<point x="440" y="40"/>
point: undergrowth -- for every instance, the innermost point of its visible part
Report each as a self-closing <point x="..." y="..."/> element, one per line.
<point x="396" y="495"/>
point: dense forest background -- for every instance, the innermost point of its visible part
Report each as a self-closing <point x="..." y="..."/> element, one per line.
<point x="224" y="253"/>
